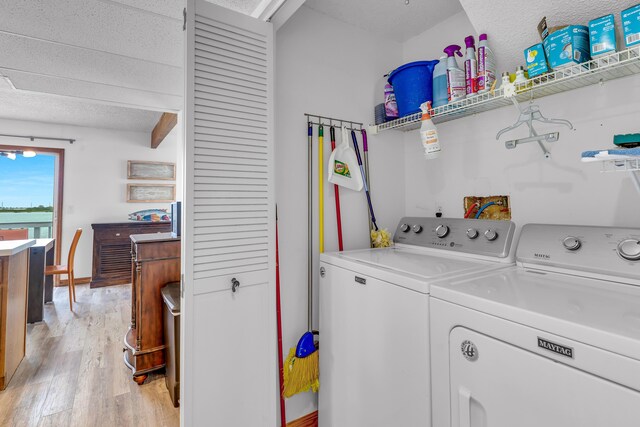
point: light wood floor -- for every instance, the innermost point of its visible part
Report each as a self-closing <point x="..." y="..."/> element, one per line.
<point x="73" y="374"/>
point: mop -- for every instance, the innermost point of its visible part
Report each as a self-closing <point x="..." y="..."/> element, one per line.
<point x="379" y="237"/>
<point x="301" y="371"/>
<point x="336" y="192"/>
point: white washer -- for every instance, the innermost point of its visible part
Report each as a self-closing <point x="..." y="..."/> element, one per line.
<point x="374" y="317"/>
<point x="553" y="341"/>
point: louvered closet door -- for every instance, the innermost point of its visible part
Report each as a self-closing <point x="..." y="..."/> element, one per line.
<point x="229" y="356"/>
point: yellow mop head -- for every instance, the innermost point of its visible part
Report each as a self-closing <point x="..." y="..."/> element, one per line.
<point x="300" y="373"/>
<point x="381" y="238"/>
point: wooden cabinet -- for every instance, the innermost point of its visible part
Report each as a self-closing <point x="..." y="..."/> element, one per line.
<point x="13" y="307"/>
<point x="155" y="262"/>
<point x="112" y="249"/>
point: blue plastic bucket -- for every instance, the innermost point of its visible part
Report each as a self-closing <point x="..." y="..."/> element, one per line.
<point x="412" y="85"/>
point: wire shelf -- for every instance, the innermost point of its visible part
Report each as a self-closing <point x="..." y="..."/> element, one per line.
<point x="621" y="165"/>
<point x="603" y="68"/>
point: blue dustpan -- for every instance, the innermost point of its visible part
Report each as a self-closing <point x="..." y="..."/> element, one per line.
<point x="305" y="346"/>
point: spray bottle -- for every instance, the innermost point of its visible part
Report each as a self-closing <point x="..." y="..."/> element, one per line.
<point x="470" y="66"/>
<point x="429" y="133"/>
<point x="455" y="76"/>
<point x="486" y="65"/>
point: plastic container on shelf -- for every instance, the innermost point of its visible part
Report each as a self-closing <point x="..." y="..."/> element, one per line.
<point x="455" y="75"/>
<point x="412" y="85"/>
<point x="470" y="66"/>
<point x="440" y="93"/>
<point x="486" y="65"/>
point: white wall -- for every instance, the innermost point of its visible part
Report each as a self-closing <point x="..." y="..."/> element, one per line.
<point x="95" y="176"/>
<point x="556" y="190"/>
<point x="329" y="68"/>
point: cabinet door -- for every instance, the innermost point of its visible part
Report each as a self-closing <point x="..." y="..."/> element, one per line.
<point x="501" y="385"/>
<point x="374" y="357"/>
<point x="229" y="358"/>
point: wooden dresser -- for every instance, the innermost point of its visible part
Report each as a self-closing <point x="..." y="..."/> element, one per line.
<point x="14" y="257"/>
<point x="155" y="262"/>
<point x="112" y="249"/>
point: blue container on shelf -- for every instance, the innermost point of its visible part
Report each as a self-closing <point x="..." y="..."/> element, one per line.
<point x="413" y="85"/>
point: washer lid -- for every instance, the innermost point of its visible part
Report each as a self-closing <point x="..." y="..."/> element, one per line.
<point x="407" y="267"/>
<point x="601" y="313"/>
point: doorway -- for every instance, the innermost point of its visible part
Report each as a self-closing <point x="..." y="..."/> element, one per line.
<point x="31" y="201"/>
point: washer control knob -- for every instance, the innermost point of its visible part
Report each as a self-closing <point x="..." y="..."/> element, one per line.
<point x="491" y="235"/>
<point x="417" y="228"/>
<point x="404" y="228"/>
<point x="629" y="249"/>
<point x="442" y="231"/>
<point x="472" y="233"/>
<point x="571" y="243"/>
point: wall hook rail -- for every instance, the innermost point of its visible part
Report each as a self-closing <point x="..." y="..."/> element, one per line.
<point x="331" y="121"/>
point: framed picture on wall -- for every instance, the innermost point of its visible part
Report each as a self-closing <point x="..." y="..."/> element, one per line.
<point x="138" y="169"/>
<point x="144" y="193"/>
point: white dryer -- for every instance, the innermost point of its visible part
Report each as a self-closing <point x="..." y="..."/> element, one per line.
<point x="553" y="341"/>
<point x="374" y="317"/>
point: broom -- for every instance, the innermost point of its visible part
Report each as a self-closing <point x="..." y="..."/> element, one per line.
<point x="380" y="238"/>
<point x="301" y="372"/>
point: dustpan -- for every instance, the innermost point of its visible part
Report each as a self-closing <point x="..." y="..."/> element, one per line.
<point x="343" y="165"/>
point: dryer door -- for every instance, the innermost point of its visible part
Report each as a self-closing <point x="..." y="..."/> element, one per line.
<point x="494" y="384"/>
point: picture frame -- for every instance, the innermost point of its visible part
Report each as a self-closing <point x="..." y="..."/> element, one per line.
<point x="161" y="171"/>
<point x="148" y="193"/>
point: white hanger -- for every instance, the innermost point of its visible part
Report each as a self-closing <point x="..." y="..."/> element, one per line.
<point x="527" y="116"/>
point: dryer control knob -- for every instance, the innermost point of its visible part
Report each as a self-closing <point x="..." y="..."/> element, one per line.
<point x="404" y="228"/>
<point x="571" y="243"/>
<point x="442" y="231"/>
<point x="472" y="233"/>
<point x="491" y="235"/>
<point x="417" y="228"/>
<point x="629" y="249"/>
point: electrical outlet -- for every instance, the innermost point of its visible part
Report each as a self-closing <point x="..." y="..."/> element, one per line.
<point x="500" y="210"/>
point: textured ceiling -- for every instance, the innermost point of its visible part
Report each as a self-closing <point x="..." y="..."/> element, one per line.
<point x="391" y="19"/>
<point x="118" y="51"/>
<point x="512" y="24"/>
<point x="170" y="8"/>
<point x="242" y="6"/>
<point x="18" y="105"/>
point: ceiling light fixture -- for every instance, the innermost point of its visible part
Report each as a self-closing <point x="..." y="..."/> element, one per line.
<point x="406" y="2"/>
<point x="12" y="154"/>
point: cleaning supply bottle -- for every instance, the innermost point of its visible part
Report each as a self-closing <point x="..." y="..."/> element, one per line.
<point x="521" y="78"/>
<point x="440" y="93"/>
<point x="455" y="76"/>
<point x="390" y="105"/>
<point x="470" y="66"/>
<point x="486" y="65"/>
<point x="506" y="79"/>
<point x="429" y="133"/>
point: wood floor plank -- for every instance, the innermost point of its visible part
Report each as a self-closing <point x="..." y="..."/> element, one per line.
<point x="56" y="420"/>
<point x="73" y="373"/>
<point x="61" y="393"/>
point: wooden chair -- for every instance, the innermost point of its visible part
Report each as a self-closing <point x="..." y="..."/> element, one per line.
<point x="68" y="269"/>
